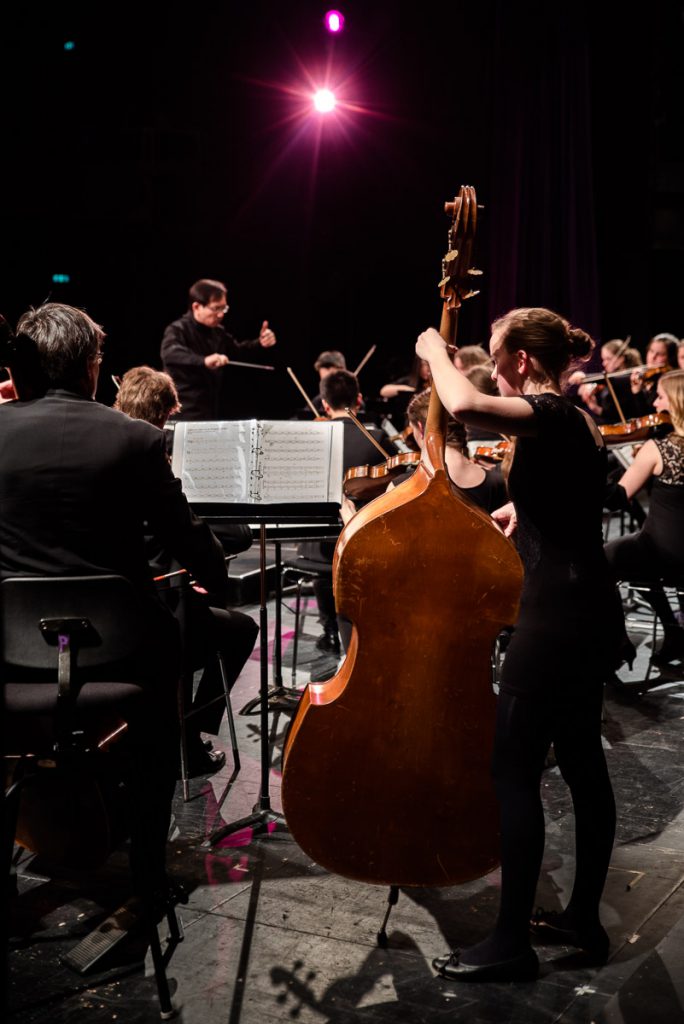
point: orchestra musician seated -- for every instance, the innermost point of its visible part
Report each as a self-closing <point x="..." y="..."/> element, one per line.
<point x="77" y="481"/>
<point x="469" y="356"/>
<point x="661" y="354"/>
<point x="485" y="487"/>
<point x="480" y="376"/>
<point x="340" y="391"/>
<point x="147" y="394"/>
<point x="326" y="363"/>
<point x="656" y="551"/>
<point x="598" y="397"/>
<point x="416" y="380"/>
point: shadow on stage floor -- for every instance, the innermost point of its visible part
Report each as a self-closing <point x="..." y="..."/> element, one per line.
<point x="269" y="936"/>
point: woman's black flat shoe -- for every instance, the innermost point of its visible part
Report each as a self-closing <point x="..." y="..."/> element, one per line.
<point x="550" y="927"/>
<point x="524" y="967"/>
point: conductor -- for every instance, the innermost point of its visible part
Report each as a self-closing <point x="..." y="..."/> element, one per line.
<point x="197" y="345"/>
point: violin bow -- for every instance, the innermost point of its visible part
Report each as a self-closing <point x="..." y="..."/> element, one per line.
<point x="620" y="352"/>
<point x="365" y="359"/>
<point x="306" y="398"/>
<point x="354" y="418"/>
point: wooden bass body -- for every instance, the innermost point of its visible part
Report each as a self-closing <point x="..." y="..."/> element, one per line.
<point x="387" y="765"/>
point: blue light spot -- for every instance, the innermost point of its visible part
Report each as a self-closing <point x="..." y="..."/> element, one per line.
<point x="70" y="45"/>
<point x="61" y="278"/>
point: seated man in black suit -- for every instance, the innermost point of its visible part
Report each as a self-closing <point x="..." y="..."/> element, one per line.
<point x="78" y="482"/>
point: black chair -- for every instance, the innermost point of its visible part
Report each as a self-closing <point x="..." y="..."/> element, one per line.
<point x="67" y="649"/>
<point x="642" y="589"/>
<point x="299" y="574"/>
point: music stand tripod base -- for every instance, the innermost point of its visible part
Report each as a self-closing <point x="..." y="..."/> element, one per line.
<point x="263" y="820"/>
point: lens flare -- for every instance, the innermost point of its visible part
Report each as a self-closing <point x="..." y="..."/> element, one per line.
<point x="324" y="101"/>
<point x="334" y="21"/>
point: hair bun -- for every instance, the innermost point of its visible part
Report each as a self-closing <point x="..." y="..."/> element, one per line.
<point x="580" y="343"/>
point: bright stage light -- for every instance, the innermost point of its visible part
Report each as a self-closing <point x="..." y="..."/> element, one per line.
<point x="324" y="101"/>
<point x="334" y="21"/>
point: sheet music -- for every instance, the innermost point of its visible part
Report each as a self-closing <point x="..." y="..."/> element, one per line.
<point x="624" y="453"/>
<point x="300" y="462"/>
<point x="259" y="461"/>
<point x="213" y="460"/>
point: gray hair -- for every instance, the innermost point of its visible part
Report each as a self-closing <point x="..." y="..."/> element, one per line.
<point x="66" y="340"/>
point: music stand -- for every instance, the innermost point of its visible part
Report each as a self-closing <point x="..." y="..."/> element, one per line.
<point x="263" y="819"/>
<point x="209" y="454"/>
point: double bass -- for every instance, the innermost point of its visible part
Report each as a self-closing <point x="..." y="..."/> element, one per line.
<point x="386" y="775"/>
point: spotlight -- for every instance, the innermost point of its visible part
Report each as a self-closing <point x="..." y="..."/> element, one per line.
<point x="324" y="101"/>
<point x="334" y="21"/>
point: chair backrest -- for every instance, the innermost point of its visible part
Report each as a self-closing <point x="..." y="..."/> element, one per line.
<point x="111" y="605"/>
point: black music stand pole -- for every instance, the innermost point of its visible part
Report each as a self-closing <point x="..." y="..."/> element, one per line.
<point x="263" y="819"/>
<point x="280" y="697"/>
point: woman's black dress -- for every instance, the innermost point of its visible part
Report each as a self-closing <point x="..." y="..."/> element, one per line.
<point x="657" y="550"/>
<point x="567" y="637"/>
<point x="570" y="625"/>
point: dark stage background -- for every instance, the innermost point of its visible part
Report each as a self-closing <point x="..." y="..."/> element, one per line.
<point x="163" y="148"/>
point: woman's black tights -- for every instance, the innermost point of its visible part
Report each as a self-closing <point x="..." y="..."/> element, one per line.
<point x="526" y="726"/>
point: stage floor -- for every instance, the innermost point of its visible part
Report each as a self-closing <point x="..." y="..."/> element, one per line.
<point x="270" y="936"/>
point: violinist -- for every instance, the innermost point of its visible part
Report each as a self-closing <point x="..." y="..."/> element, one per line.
<point x="657" y="550"/>
<point x="615" y="356"/>
<point x="660" y="354"/>
<point x="486" y="488"/>
<point x="417" y="380"/>
<point x="340" y="391"/>
<point x="327" y="362"/>
<point x="469" y="356"/>
<point x="550" y="692"/>
<point x="481" y="377"/>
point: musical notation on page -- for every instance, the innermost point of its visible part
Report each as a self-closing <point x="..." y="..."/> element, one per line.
<point x="259" y="461"/>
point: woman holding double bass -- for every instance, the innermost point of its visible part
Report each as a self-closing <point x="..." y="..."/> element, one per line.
<point x="385" y="768"/>
<point x="550" y="691"/>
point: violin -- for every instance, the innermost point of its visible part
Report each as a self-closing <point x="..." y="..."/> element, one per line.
<point x="493" y="453"/>
<point x="638" y="429"/>
<point x="386" y="767"/>
<point x="644" y="372"/>
<point x="652" y="372"/>
<point x="363" y="483"/>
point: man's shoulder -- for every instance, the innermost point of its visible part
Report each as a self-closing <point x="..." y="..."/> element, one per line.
<point x="182" y="325"/>
<point x="119" y="421"/>
<point x="101" y="418"/>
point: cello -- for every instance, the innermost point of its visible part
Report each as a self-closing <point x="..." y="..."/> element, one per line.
<point x="386" y="766"/>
